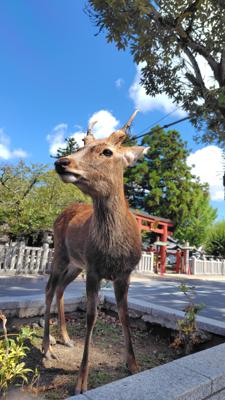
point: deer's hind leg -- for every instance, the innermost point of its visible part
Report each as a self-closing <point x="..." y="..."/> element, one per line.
<point x="71" y="274"/>
<point x="92" y="288"/>
<point x="121" y="286"/>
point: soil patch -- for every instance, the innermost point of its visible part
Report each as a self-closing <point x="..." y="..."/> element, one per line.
<point x="57" y="377"/>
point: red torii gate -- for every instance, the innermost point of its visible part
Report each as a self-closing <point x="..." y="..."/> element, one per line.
<point x="161" y="226"/>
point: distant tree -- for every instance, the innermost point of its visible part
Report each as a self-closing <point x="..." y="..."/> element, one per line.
<point x="215" y="243"/>
<point x="173" y="39"/>
<point x="162" y="184"/>
<point x="31" y="197"/>
<point x="71" y="147"/>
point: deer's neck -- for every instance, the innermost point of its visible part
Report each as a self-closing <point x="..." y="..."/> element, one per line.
<point x="109" y="217"/>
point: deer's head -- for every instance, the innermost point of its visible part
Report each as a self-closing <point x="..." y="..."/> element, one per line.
<point x="98" y="167"/>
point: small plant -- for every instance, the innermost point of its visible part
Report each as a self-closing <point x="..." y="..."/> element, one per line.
<point x="12" y="353"/>
<point x="188" y="333"/>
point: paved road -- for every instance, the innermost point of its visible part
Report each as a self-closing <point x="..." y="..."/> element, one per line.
<point x="166" y="292"/>
<point x="161" y="291"/>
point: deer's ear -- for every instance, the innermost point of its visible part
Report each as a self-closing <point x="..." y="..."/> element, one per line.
<point x="131" y="154"/>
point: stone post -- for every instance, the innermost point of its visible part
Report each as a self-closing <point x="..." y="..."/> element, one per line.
<point x="20" y="257"/>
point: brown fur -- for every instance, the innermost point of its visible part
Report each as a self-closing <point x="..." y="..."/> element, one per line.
<point x="103" y="239"/>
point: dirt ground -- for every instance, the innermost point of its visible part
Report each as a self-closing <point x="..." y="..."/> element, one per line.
<point x="57" y="377"/>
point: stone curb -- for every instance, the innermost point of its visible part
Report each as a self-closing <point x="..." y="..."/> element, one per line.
<point x="24" y="308"/>
<point x="200" y="376"/>
<point x="165" y="316"/>
<point x="148" y="312"/>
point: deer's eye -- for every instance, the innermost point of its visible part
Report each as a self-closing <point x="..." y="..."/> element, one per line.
<point x="107" y="153"/>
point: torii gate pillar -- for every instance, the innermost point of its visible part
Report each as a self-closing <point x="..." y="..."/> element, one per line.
<point x="163" y="250"/>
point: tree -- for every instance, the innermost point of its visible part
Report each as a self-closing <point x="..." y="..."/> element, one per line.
<point x="31" y="197"/>
<point x="162" y="184"/>
<point x="215" y="243"/>
<point x="71" y="147"/>
<point x="173" y="39"/>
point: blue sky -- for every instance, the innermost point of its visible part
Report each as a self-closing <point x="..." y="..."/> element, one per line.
<point x="56" y="75"/>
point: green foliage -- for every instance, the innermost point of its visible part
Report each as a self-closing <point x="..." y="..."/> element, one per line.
<point x="162" y="184"/>
<point x="31" y="197"/>
<point x="71" y="147"/>
<point x="171" y="39"/>
<point x="187" y="329"/>
<point x="13" y="351"/>
<point x="215" y="243"/>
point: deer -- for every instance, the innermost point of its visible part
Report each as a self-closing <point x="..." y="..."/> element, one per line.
<point x="103" y="238"/>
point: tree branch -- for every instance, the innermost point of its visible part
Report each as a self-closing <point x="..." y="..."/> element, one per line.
<point x="184" y="36"/>
<point x="222" y="68"/>
<point x="199" y="82"/>
<point x="27" y="191"/>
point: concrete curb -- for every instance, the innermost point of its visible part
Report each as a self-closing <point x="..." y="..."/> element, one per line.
<point x="24" y="308"/>
<point x="165" y="316"/>
<point x="200" y="376"/>
<point x="29" y="306"/>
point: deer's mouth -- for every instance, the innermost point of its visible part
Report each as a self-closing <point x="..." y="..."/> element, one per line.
<point x="71" y="177"/>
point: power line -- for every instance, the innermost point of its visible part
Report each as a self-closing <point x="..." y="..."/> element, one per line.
<point x="159" y="120"/>
<point x="162" y="127"/>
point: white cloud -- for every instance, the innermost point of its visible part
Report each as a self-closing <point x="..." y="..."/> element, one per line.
<point x="119" y="83"/>
<point x="208" y="165"/>
<point x="56" y="138"/>
<point x="147" y="103"/>
<point x="6" y="153"/>
<point x="106" y="124"/>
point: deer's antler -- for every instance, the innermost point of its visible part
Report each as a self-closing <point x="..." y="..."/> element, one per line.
<point x="89" y="137"/>
<point x="120" y="135"/>
<point x="129" y="122"/>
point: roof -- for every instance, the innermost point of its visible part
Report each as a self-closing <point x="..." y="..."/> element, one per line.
<point x="146" y="215"/>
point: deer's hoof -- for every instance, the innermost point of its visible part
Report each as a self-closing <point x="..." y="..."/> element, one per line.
<point x="49" y="355"/>
<point x="79" y="391"/>
<point x="52" y="340"/>
<point x="132" y="368"/>
<point x="69" y="343"/>
<point x="81" y="386"/>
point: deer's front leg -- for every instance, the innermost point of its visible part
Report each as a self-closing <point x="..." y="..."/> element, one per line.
<point x="121" y="292"/>
<point x="50" y="291"/>
<point x="71" y="274"/>
<point x="92" y="288"/>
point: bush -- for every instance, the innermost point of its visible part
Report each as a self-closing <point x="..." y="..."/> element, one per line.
<point x="215" y="243"/>
<point x="12" y="354"/>
<point x="188" y="333"/>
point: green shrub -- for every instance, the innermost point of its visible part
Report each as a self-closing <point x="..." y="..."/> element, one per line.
<point x="12" y="354"/>
<point x="188" y="334"/>
<point x="215" y="243"/>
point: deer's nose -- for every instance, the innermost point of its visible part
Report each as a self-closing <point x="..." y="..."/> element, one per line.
<point x="62" y="162"/>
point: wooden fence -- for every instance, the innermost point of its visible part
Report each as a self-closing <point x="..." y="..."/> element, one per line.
<point x="16" y="258"/>
<point x="207" y="267"/>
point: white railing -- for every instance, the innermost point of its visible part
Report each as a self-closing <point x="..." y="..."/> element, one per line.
<point x="207" y="267"/>
<point x="16" y="258"/>
<point x="146" y="263"/>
